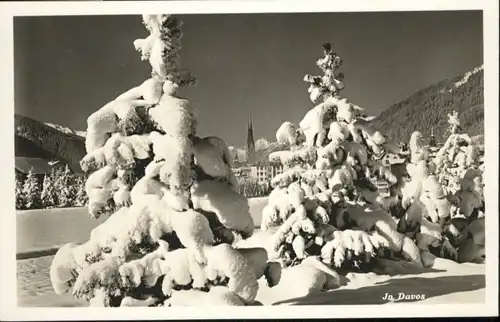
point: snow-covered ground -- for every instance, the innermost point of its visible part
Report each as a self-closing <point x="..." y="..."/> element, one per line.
<point x="48" y="228"/>
<point x="446" y="282"/>
<point x="467" y="75"/>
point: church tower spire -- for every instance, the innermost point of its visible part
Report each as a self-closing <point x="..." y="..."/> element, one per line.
<point x="250" y="142"/>
<point x="432" y="141"/>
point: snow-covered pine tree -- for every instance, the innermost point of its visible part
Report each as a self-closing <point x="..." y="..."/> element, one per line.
<point x="325" y="203"/>
<point x="457" y="157"/>
<point x="31" y="191"/>
<point x="71" y="189"/>
<point x="81" y="198"/>
<point x="48" y="195"/>
<point x="65" y="186"/>
<point x="20" y="198"/>
<point x="55" y="174"/>
<point x="176" y="211"/>
<point x="454" y="122"/>
<point x="59" y="185"/>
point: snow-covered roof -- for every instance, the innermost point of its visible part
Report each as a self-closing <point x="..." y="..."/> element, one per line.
<point x="38" y="165"/>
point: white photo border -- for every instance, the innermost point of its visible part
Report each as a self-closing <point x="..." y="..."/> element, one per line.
<point x="8" y="297"/>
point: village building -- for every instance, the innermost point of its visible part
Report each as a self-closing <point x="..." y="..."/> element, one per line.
<point x="39" y="166"/>
<point x="261" y="171"/>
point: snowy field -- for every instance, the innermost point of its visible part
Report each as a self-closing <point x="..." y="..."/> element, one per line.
<point x="44" y="229"/>
<point x="446" y="282"/>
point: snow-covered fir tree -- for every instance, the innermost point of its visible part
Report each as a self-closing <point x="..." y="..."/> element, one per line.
<point x="55" y="174"/>
<point x="49" y="193"/>
<point x="65" y="187"/>
<point x="81" y="198"/>
<point x="325" y="205"/>
<point x="453" y="122"/>
<point x="20" y="198"/>
<point x="31" y="191"/>
<point x="59" y="183"/>
<point x="174" y="213"/>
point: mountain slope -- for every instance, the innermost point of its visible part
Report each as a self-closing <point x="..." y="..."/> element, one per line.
<point x="34" y="139"/>
<point x="429" y="108"/>
<point x="66" y="129"/>
<point x="262" y="154"/>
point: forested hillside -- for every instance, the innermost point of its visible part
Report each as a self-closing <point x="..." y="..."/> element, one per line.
<point x="37" y="140"/>
<point x="429" y="108"/>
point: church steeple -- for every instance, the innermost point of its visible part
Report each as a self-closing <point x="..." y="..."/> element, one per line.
<point x="250" y="142"/>
<point x="432" y="141"/>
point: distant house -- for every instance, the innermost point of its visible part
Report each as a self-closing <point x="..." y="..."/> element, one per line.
<point x="241" y="171"/>
<point x="265" y="171"/>
<point x="261" y="172"/>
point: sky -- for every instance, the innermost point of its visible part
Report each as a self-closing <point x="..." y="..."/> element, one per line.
<point x="67" y="67"/>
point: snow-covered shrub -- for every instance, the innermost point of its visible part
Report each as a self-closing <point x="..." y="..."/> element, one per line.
<point x="442" y="187"/>
<point x="252" y="188"/>
<point x="456" y="172"/>
<point x="174" y="213"/>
